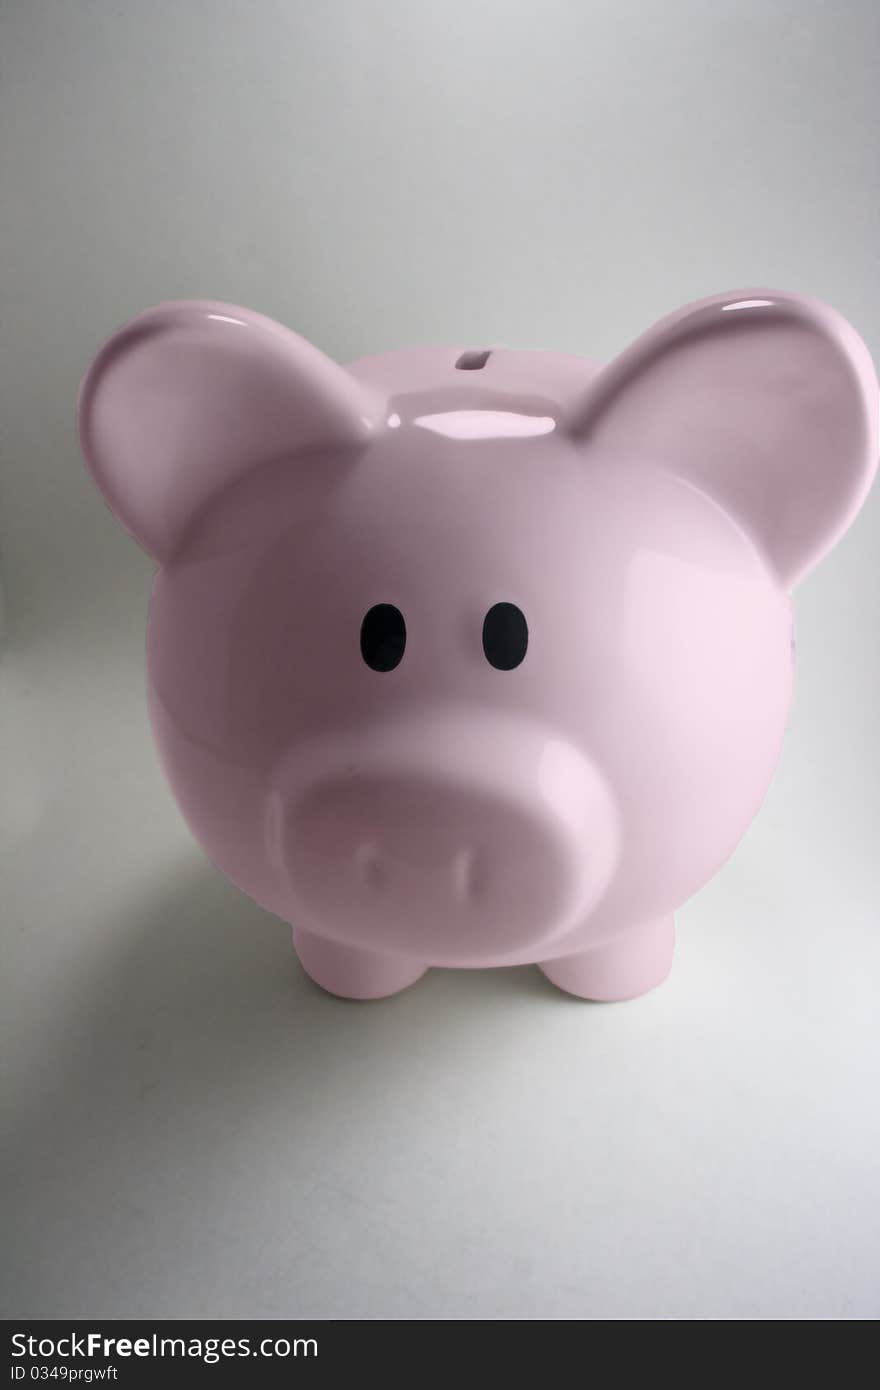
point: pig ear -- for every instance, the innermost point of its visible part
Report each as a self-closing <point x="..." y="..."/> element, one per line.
<point x="765" y="401"/>
<point x="190" y="395"/>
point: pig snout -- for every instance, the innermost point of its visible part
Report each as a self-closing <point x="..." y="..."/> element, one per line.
<point x="458" y="836"/>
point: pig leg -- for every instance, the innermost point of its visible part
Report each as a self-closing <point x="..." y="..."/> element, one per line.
<point x="352" y="972"/>
<point x="627" y="965"/>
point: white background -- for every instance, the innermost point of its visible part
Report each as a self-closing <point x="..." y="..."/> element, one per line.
<point x="194" y="1128"/>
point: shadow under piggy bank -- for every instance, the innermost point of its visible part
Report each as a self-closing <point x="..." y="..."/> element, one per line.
<point x="198" y="1059"/>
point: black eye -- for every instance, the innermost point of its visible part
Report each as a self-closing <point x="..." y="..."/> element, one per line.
<point x="505" y="636"/>
<point x="383" y="637"/>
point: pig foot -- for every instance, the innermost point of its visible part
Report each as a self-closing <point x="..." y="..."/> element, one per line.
<point x="352" y="972"/>
<point x="626" y="966"/>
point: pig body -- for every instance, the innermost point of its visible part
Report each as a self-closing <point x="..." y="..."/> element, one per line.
<point x="469" y="660"/>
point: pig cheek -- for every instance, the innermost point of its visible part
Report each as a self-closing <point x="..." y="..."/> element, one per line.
<point x="707" y="693"/>
<point x="204" y="685"/>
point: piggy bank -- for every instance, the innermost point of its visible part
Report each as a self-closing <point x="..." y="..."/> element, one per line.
<point x="477" y="657"/>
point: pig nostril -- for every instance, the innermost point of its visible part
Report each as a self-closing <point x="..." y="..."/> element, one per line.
<point x="469" y="875"/>
<point x="371" y="866"/>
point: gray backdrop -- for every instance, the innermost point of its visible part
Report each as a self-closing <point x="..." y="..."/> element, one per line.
<point x="194" y="1128"/>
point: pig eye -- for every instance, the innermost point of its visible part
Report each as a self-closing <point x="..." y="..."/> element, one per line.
<point x="383" y="637"/>
<point x="505" y="636"/>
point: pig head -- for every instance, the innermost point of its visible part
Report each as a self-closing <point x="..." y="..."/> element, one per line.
<point x="477" y="657"/>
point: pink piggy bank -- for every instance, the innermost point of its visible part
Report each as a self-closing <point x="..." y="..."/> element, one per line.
<point x="473" y="658"/>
